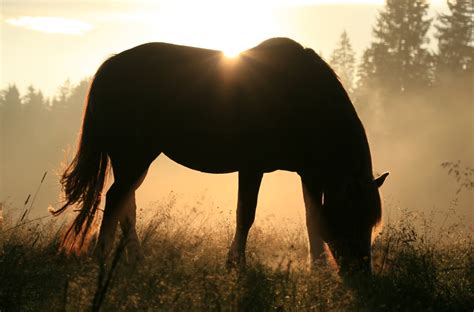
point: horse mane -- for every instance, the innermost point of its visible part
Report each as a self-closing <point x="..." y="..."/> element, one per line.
<point x="323" y="65"/>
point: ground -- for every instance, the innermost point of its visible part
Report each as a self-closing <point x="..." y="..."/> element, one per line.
<point x="418" y="265"/>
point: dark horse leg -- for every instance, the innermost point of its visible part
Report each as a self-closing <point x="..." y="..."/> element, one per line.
<point x="313" y="202"/>
<point x="120" y="205"/>
<point x="249" y="184"/>
<point x="128" y="220"/>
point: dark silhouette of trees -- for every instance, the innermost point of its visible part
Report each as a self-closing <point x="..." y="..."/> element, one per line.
<point x="398" y="59"/>
<point x="343" y="61"/>
<point x="35" y="108"/>
<point x="455" y="40"/>
<point x="34" y="100"/>
<point x="10" y="113"/>
<point x="62" y="97"/>
<point x="10" y="101"/>
<point x="10" y="108"/>
<point x="35" y="132"/>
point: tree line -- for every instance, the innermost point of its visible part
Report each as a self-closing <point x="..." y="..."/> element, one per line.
<point x="399" y="70"/>
<point x="400" y="59"/>
<point x="413" y="63"/>
<point x="35" y="133"/>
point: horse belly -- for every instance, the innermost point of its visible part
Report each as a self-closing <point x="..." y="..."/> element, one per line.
<point x="204" y="160"/>
<point x="230" y="154"/>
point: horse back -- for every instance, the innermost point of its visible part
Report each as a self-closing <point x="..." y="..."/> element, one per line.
<point x="277" y="105"/>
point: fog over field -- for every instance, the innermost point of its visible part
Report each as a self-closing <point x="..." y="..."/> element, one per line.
<point x="411" y="133"/>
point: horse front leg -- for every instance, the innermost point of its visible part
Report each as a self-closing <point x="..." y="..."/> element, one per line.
<point x="249" y="185"/>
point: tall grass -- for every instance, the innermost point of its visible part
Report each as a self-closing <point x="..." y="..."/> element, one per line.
<point x="418" y="266"/>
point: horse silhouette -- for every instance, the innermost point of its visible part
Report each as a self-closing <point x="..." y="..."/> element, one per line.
<point x="275" y="106"/>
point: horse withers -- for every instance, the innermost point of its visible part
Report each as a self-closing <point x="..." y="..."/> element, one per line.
<point x="277" y="106"/>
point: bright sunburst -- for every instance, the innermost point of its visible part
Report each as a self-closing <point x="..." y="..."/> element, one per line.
<point x="226" y="26"/>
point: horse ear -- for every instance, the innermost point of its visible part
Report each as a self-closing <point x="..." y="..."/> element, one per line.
<point x="379" y="181"/>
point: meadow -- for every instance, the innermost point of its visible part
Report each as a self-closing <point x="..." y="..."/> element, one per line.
<point x="418" y="265"/>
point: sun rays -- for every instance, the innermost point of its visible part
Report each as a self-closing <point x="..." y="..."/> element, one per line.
<point x="229" y="27"/>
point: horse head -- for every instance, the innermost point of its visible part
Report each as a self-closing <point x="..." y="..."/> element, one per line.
<point x="351" y="209"/>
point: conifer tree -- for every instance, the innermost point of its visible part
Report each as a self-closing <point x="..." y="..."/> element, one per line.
<point x="34" y="100"/>
<point x="343" y="61"/>
<point x="10" y="129"/>
<point x="398" y="59"/>
<point x="455" y="39"/>
<point x="10" y="110"/>
<point x="10" y="99"/>
<point x="60" y="100"/>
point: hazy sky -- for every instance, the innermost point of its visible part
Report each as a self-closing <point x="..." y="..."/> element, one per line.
<point x="43" y="43"/>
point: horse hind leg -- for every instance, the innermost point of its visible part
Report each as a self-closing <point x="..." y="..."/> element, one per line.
<point x="108" y="225"/>
<point x="128" y="222"/>
<point x="120" y="206"/>
<point x="249" y="184"/>
<point x="313" y="201"/>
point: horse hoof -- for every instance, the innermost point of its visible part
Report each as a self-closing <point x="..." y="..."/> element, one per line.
<point x="235" y="264"/>
<point x="99" y="255"/>
<point x="135" y="258"/>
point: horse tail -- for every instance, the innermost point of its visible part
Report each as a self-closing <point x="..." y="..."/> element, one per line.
<point x="83" y="181"/>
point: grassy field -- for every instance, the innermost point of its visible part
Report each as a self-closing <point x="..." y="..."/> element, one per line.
<point x="418" y="267"/>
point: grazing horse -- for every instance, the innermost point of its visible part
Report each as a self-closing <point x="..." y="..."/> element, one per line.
<point x="275" y="106"/>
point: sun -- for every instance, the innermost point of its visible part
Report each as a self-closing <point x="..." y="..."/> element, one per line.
<point x="222" y="25"/>
<point x="232" y="53"/>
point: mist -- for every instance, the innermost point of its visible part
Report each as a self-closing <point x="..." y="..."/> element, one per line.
<point x="410" y="139"/>
<point x="412" y="131"/>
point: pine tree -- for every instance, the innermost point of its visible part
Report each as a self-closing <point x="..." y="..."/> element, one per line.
<point x="343" y="61"/>
<point x="34" y="101"/>
<point x="10" y="110"/>
<point x="10" y="99"/>
<point x="35" y="120"/>
<point x="398" y="59"/>
<point x="455" y="39"/>
<point x="10" y="133"/>
<point x="64" y="91"/>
